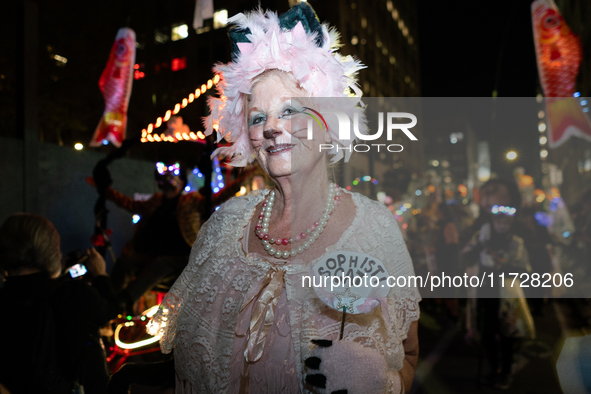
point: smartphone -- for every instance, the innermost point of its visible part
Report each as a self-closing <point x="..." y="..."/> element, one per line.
<point x="78" y="270"/>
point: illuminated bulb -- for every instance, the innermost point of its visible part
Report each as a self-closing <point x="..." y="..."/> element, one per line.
<point x="200" y="135"/>
<point x="150" y="128"/>
<point x="144" y="133"/>
<point x="184" y="103"/>
<point x="185" y="136"/>
<point x="193" y="135"/>
<point x="178" y="136"/>
<point x="543" y="140"/>
<point x="143" y="139"/>
<point x="150" y="138"/>
<point x="542" y="127"/>
<point x="209" y="84"/>
<point x="176" y="109"/>
<point x="216" y="79"/>
<point x="157" y="137"/>
<point x="78" y="146"/>
<point x="167" y="116"/>
<point x="197" y="93"/>
<point x="158" y="122"/>
<point x="541" y="114"/>
<point x="511" y="155"/>
<point x="191" y="97"/>
<point x="203" y="88"/>
<point x="543" y="153"/>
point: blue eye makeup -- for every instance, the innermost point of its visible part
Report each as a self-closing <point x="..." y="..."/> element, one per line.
<point x="289" y="111"/>
<point x="257" y="119"/>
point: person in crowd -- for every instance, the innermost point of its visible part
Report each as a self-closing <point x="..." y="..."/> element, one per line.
<point x="239" y="318"/>
<point x="538" y="243"/>
<point x="583" y="225"/>
<point x="447" y="255"/>
<point x="168" y="226"/>
<point x="49" y="338"/>
<point x="494" y="249"/>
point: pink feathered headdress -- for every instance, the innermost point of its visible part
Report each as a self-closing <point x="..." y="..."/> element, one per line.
<point x="264" y="43"/>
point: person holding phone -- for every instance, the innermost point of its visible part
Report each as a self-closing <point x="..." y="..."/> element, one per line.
<point x="51" y="343"/>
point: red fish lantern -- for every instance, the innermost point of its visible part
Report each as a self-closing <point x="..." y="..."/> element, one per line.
<point x="115" y="84"/>
<point x="559" y="54"/>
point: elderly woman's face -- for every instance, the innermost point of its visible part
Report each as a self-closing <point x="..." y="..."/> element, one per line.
<point x="277" y="127"/>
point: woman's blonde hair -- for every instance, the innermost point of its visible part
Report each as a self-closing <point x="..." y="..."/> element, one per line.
<point x="29" y="241"/>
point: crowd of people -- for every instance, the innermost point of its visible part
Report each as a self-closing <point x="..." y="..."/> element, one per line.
<point x="503" y="234"/>
<point x="237" y="318"/>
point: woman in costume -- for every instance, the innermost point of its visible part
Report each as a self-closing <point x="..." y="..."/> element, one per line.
<point x="239" y="317"/>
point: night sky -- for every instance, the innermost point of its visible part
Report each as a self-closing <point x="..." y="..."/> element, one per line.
<point x="470" y="48"/>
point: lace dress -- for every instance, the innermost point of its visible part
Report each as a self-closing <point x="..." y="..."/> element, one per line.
<point x="201" y="316"/>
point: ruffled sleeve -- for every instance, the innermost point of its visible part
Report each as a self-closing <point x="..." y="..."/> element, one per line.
<point x="209" y="242"/>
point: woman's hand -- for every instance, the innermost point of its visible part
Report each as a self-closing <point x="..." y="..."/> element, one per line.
<point x="96" y="264"/>
<point x="346" y="367"/>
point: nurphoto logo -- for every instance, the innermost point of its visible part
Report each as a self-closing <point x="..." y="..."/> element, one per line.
<point x="345" y="129"/>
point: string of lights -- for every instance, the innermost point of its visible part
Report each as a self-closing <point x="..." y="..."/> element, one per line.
<point x="149" y="134"/>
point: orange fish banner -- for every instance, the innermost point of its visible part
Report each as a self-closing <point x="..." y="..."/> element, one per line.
<point x="559" y="53"/>
<point x="115" y="84"/>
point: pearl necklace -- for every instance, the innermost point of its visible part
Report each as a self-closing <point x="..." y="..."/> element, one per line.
<point x="307" y="237"/>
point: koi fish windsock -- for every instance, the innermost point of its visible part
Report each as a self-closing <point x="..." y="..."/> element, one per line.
<point x="559" y="53"/>
<point x="115" y="84"/>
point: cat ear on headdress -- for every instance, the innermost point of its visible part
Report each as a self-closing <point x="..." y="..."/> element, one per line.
<point x="238" y="35"/>
<point x="305" y="14"/>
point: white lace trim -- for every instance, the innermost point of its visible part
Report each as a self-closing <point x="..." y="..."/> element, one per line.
<point x="198" y="316"/>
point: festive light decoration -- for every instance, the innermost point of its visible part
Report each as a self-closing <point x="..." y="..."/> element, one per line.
<point x="115" y="85"/>
<point x="149" y="135"/>
<point x="132" y="322"/>
<point x="366" y="178"/>
<point x="163" y="169"/>
<point x="217" y="181"/>
<point x="559" y="54"/>
<point x="501" y="209"/>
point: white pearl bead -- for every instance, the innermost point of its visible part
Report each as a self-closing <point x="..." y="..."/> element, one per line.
<point x="267" y="246"/>
<point x="315" y="233"/>
<point x="300" y="249"/>
<point x="308" y="231"/>
<point x="271" y="250"/>
<point x="267" y="214"/>
<point x="319" y="229"/>
<point x="293" y="252"/>
<point x="265" y="242"/>
<point x="266" y="220"/>
<point x="271" y="240"/>
<point x="323" y="223"/>
<point x="285" y="254"/>
<point x="311" y="240"/>
<point x="306" y="245"/>
<point x="278" y="254"/>
<point x="291" y="240"/>
<point x="325" y="217"/>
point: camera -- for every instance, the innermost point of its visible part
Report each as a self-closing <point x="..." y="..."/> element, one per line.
<point x="74" y="264"/>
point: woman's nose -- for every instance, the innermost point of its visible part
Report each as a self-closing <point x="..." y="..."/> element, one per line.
<point x="271" y="133"/>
